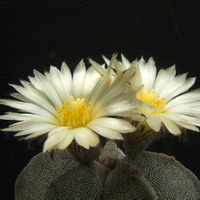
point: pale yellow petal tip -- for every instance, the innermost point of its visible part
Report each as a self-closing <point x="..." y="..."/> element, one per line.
<point x="64" y="64"/>
<point x="4" y="129"/>
<point x="81" y="63"/>
<point x="95" y="144"/>
<point x="151" y="61"/>
<point x="119" y="137"/>
<point x="176" y="133"/>
<point x="133" y="129"/>
<point x="47" y="149"/>
<point x="44" y="150"/>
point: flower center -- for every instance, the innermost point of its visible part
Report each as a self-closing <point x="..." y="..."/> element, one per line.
<point x="74" y="113"/>
<point x="154" y="99"/>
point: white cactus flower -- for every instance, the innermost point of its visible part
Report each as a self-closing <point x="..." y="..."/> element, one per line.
<point x="165" y="97"/>
<point x="78" y="107"/>
<point x="166" y="100"/>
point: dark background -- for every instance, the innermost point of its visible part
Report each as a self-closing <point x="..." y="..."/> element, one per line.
<point x="39" y="33"/>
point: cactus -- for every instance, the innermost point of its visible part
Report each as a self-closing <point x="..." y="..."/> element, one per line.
<point x="113" y="176"/>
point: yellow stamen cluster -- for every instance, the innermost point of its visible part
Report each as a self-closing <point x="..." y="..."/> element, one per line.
<point x="75" y="113"/>
<point x="154" y="99"/>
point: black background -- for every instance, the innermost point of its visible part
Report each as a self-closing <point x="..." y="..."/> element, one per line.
<point x="39" y="33"/>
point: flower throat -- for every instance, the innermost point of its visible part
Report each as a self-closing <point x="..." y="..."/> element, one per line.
<point x="74" y="113"/>
<point x="154" y="99"/>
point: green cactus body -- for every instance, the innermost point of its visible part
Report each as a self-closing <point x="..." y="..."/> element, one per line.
<point x="113" y="176"/>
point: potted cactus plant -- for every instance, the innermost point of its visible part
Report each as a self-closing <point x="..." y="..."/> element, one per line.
<point x="131" y="105"/>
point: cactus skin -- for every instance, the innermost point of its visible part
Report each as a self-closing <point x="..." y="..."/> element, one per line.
<point x="169" y="178"/>
<point x="82" y="182"/>
<point x="42" y="169"/>
<point x="127" y="182"/>
<point x="116" y="176"/>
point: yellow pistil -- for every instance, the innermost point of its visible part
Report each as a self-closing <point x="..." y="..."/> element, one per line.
<point x="75" y="113"/>
<point x="154" y="99"/>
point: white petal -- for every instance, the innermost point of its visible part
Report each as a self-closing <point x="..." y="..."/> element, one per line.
<point x="35" y="84"/>
<point x="188" y="97"/>
<point x="184" y="119"/>
<point x="35" y="96"/>
<point x="101" y="86"/>
<point x="113" y="96"/>
<point x="183" y="88"/>
<point x="153" y="121"/>
<point x="78" y="79"/>
<point x="188" y="126"/>
<point x="91" y="79"/>
<point x="29" y="86"/>
<point x="125" y="61"/>
<point x="192" y="109"/>
<point x="35" y="134"/>
<point x="28" y="128"/>
<point x="67" y="77"/>
<point x="163" y="78"/>
<point x="28" y="107"/>
<point x="85" y="137"/>
<point x="120" y="125"/>
<point x="14" y="116"/>
<point x="118" y="91"/>
<point x="26" y="117"/>
<point x="59" y="84"/>
<point x="99" y="68"/>
<point x="107" y="61"/>
<point x="115" y="64"/>
<point x="48" y="89"/>
<point x="21" y="98"/>
<point x="148" y="73"/>
<point x="124" y="108"/>
<point x="58" y="129"/>
<point x="170" y="125"/>
<point x="137" y="79"/>
<point x="105" y="132"/>
<point x="48" y="77"/>
<point x="173" y="85"/>
<point x="66" y="141"/>
<point x="53" y="140"/>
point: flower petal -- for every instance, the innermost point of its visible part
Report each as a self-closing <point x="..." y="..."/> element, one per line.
<point x="125" y="62"/>
<point x="59" y="84"/>
<point x="104" y="131"/>
<point x="163" y="78"/>
<point x="188" y="97"/>
<point x="183" y="88"/>
<point x="107" y="61"/>
<point x="67" y="77"/>
<point x="170" y="125"/>
<point x="35" y="96"/>
<point x="85" y="137"/>
<point x="101" y="86"/>
<point x="90" y="81"/>
<point x="26" y="117"/>
<point x="99" y="68"/>
<point x="78" y="79"/>
<point x="53" y="140"/>
<point x="28" y="107"/>
<point x="148" y="71"/>
<point x="47" y="88"/>
<point x="123" y="107"/>
<point x="29" y="127"/>
<point x="173" y="85"/>
<point x="66" y="141"/>
<point x="120" y="125"/>
<point x="154" y="122"/>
